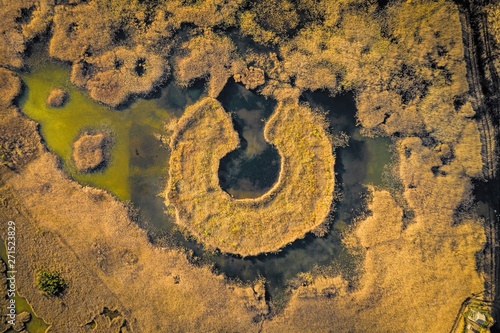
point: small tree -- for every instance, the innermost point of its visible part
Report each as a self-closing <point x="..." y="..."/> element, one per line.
<point x="51" y="283"/>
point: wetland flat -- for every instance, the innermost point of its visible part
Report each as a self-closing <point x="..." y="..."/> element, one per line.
<point x="278" y="166"/>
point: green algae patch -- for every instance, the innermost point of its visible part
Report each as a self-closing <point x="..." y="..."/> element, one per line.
<point x="298" y="203"/>
<point x="61" y="126"/>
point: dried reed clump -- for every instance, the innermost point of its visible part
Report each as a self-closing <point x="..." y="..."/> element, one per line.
<point x="19" y="140"/>
<point x="493" y="11"/>
<point x="434" y="181"/>
<point x="11" y="87"/>
<point x="405" y="82"/>
<point x="21" y="22"/>
<point x="116" y="75"/>
<point x="251" y="77"/>
<point x="269" y="22"/>
<point x="89" y="151"/>
<point x="468" y="150"/>
<point x="57" y="97"/>
<point x="298" y="203"/>
<point x="203" y="13"/>
<point x="207" y="56"/>
<point x="98" y="48"/>
<point x="77" y="32"/>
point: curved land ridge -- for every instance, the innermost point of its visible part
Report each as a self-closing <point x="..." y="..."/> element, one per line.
<point x="298" y="203"/>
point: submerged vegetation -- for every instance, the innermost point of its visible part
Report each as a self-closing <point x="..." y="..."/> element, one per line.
<point x="419" y="239"/>
<point x="298" y="203"/>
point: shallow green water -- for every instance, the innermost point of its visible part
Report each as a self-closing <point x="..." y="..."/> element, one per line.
<point x="139" y="165"/>
<point x="36" y="324"/>
<point x="132" y="129"/>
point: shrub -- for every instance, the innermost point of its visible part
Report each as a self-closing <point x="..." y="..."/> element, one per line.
<point x="51" y="283"/>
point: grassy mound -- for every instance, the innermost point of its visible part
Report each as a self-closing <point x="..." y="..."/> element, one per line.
<point x="298" y="203"/>
<point x="57" y="97"/>
<point x="251" y="77"/>
<point x="89" y="151"/>
<point x="116" y="75"/>
<point x="207" y="56"/>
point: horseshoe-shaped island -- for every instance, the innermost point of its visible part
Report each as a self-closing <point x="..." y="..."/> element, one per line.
<point x="298" y="203"/>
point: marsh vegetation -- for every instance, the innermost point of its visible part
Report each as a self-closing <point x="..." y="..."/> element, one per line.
<point x="302" y="195"/>
<point x="156" y="75"/>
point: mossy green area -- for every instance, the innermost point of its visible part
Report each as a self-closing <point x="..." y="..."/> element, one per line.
<point x="133" y="129"/>
<point x="36" y="324"/>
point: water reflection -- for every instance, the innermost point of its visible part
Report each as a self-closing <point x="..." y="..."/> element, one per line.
<point x="253" y="168"/>
<point x="357" y="164"/>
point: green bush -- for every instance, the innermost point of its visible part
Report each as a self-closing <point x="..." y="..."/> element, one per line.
<point x="51" y="283"/>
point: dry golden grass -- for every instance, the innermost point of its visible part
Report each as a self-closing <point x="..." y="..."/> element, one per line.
<point x="105" y="52"/>
<point x="19" y="140"/>
<point x="468" y="150"/>
<point x="115" y="56"/>
<point x="118" y="74"/>
<point x="11" y="87"/>
<point x="433" y="188"/>
<point x="298" y="203"/>
<point x="427" y="269"/>
<point x="57" y="97"/>
<point x="77" y="31"/>
<point x="251" y="77"/>
<point x="405" y="64"/>
<point x="203" y="13"/>
<point x="494" y="21"/>
<point x="407" y="84"/>
<point x="493" y="29"/>
<point x="21" y="22"/>
<point x="89" y="151"/>
<point x="107" y="261"/>
<point x="207" y="56"/>
<point x="269" y="22"/>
